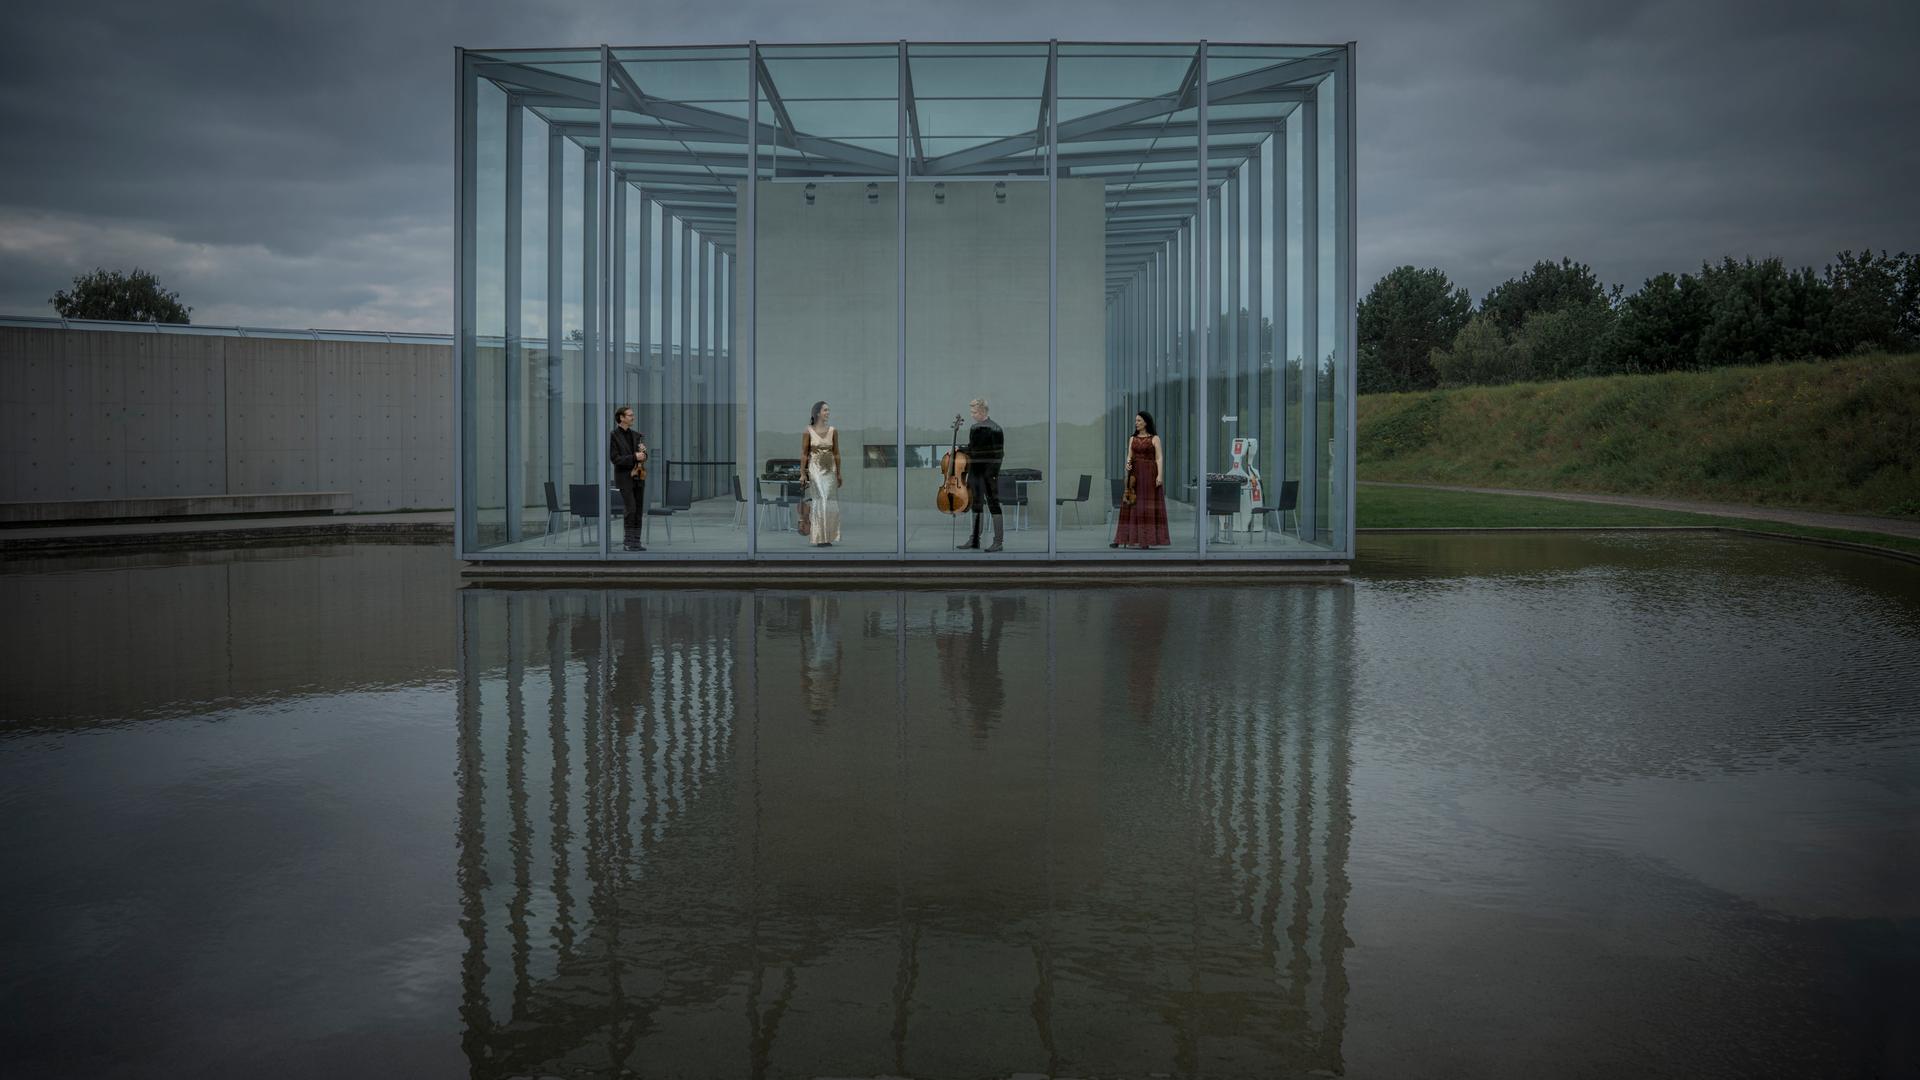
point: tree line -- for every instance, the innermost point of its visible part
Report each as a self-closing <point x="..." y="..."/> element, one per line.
<point x="1418" y="331"/>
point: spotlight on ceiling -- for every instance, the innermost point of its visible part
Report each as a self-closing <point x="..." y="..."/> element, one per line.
<point x="873" y="193"/>
<point x="939" y="192"/>
<point x="809" y="191"/>
<point x="1000" y="191"/>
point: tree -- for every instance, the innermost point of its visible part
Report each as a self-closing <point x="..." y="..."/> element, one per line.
<point x="1478" y="356"/>
<point x="1408" y="314"/>
<point x="1757" y="313"/>
<point x="1659" y="328"/>
<point x="1876" y="301"/>
<point x="111" y="294"/>
<point x="1546" y="287"/>
<point x="1567" y="342"/>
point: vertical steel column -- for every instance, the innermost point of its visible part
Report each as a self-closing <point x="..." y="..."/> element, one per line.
<point x="1309" y="318"/>
<point x="1345" y="443"/>
<point x="1201" y="430"/>
<point x="600" y="243"/>
<point x="703" y="372"/>
<point x="661" y="448"/>
<point x="616" y="373"/>
<point x="900" y="304"/>
<point x="1183" y="366"/>
<point x="749" y="241"/>
<point x="684" y="406"/>
<point x="1249" y="397"/>
<point x="1230" y="194"/>
<point x="1053" y="300"/>
<point x="466" y="195"/>
<point x="645" y="416"/>
<point x="514" y="383"/>
<point x="589" y="316"/>
<point x="1282" y="305"/>
<point x="556" y="333"/>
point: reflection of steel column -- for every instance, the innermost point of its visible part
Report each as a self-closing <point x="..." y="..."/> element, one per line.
<point x="561" y="836"/>
<point x="520" y="837"/>
<point x="470" y="783"/>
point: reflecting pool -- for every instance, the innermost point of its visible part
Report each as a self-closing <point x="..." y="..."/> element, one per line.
<point x="1514" y="805"/>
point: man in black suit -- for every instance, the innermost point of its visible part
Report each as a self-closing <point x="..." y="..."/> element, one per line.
<point x="627" y="450"/>
<point x="986" y="445"/>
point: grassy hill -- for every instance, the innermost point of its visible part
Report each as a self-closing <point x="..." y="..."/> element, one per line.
<point x="1831" y="435"/>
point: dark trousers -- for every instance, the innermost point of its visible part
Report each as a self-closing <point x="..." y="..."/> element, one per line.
<point x="633" y="492"/>
<point x="983" y="489"/>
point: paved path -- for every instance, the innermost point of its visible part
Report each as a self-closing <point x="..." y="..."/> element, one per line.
<point x="1855" y="522"/>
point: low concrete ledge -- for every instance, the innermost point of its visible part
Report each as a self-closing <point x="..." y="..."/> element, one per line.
<point x="941" y="574"/>
<point x="181" y="506"/>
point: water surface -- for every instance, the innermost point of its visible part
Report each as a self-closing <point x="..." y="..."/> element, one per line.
<point x="1511" y="805"/>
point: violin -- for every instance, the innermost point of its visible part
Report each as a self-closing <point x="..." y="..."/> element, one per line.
<point x="952" y="498"/>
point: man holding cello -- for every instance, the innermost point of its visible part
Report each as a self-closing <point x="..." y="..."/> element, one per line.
<point x="986" y="445"/>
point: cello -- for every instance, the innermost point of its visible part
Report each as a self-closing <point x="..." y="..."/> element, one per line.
<point x="952" y="498"/>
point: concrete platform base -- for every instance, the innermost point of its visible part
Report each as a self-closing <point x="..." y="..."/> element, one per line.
<point x="943" y="573"/>
<point x="173" y="507"/>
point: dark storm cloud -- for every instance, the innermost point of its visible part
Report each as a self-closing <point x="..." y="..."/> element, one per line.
<point x="291" y="164"/>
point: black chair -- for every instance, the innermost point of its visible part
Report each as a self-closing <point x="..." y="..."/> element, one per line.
<point x="1289" y="504"/>
<point x="1118" y="486"/>
<point x="739" y="504"/>
<point x="1223" y="500"/>
<point x="1014" y="494"/>
<point x="583" y="502"/>
<point x="555" y="516"/>
<point x="676" y="499"/>
<point x="1086" y="490"/>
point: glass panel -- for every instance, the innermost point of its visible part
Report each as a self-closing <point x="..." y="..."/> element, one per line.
<point x="826" y="302"/>
<point x="676" y="217"/>
<point x="535" y="429"/>
<point x="1279" y="368"/>
<point x="1130" y="348"/>
<point x="977" y="301"/>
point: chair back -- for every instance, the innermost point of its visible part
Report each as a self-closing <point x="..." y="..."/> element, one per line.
<point x="739" y="498"/>
<point x="583" y="500"/>
<point x="1009" y="489"/>
<point x="1086" y="479"/>
<point x="1119" y="483"/>
<point x="1289" y="496"/>
<point x="1223" y="496"/>
<point x="553" y="499"/>
<point x="680" y="494"/>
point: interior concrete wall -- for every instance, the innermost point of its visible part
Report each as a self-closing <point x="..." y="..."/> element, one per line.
<point x="976" y="321"/>
<point x="109" y="414"/>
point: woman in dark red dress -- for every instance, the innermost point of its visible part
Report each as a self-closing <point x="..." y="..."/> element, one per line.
<point x="1143" y="521"/>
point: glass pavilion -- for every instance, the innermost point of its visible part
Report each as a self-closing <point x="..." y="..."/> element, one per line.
<point x="1074" y="232"/>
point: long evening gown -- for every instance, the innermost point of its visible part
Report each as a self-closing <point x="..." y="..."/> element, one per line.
<point x="1145" y="522"/>
<point x="823" y="488"/>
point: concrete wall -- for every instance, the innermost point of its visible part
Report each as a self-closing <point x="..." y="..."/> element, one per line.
<point x="112" y="414"/>
<point x="976" y="320"/>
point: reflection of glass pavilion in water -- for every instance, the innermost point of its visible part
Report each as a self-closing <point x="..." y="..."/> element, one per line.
<point x="668" y="863"/>
<point x="1055" y="254"/>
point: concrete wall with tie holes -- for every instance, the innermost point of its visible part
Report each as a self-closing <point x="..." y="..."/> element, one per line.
<point x="110" y="411"/>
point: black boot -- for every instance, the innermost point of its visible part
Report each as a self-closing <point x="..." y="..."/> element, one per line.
<point x="999" y="532"/>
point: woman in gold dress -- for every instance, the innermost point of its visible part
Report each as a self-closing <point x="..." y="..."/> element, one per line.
<point x="820" y="465"/>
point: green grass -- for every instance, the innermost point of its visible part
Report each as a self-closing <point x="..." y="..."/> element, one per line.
<point x="1413" y="508"/>
<point x="1837" y="435"/>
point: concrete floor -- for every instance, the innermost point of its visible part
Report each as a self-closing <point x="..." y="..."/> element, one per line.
<point x="715" y="527"/>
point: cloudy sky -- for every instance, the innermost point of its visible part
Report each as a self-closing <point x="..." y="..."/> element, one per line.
<point x="284" y="164"/>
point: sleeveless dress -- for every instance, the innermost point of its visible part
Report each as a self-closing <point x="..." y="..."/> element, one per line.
<point x="1145" y="522"/>
<point x="823" y="489"/>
